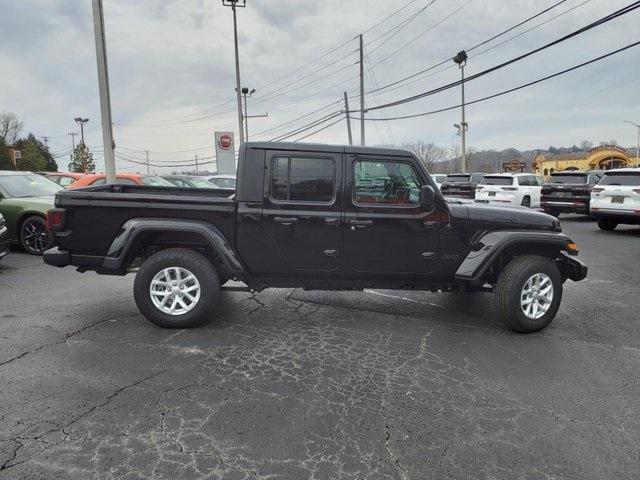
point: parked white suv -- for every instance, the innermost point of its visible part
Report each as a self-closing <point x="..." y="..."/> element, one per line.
<point x="616" y="198"/>
<point x="513" y="188"/>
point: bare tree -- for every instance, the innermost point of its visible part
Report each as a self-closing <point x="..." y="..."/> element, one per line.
<point x="586" y="145"/>
<point x="10" y="127"/>
<point x="455" y="154"/>
<point x="429" y="154"/>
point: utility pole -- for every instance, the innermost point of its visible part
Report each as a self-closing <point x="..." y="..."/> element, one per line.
<point x="461" y="60"/>
<point x="637" y="143"/>
<point x="245" y="92"/>
<point x="197" y="172"/>
<point x="361" y="91"/>
<point x="105" y="97"/>
<point x="45" y="139"/>
<point x="73" y="140"/>
<point x="81" y="121"/>
<point x="346" y="111"/>
<point x="146" y="152"/>
<point x="233" y="4"/>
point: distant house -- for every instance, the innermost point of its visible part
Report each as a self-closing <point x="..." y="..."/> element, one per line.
<point x="604" y="157"/>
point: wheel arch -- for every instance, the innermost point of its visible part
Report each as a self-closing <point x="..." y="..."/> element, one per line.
<point x="139" y="235"/>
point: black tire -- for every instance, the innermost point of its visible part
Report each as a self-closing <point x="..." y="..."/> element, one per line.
<point x="607" y="225"/>
<point x="196" y="264"/>
<point x="508" y="291"/>
<point x="526" y="202"/>
<point x="34" y="236"/>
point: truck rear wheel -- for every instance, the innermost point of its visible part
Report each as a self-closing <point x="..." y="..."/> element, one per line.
<point x="607" y="225"/>
<point x="177" y="288"/>
<point x="528" y="293"/>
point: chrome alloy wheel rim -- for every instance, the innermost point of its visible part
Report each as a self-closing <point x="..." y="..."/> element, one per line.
<point x="175" y="291"/>
<point x="536" y="296"/>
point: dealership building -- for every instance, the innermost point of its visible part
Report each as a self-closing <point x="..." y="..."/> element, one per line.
<point x="604" y="157"/>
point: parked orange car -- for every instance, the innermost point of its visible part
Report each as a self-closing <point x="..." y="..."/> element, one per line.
<point x="92" y="180"/>
<point x="64" y="179"/>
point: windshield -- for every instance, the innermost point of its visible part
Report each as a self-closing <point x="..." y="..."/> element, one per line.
<point x="223" y="182"/>
<point x="568" y="178"/>
<point x="28" y="185"/>
<point x="458" y="178"/>
<point x="156" y="182"/>
<point x="627" y="179"/>
<point x="497" y="181"/>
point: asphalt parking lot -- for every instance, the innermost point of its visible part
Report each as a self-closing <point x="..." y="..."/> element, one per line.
<point x="294" y="385"/>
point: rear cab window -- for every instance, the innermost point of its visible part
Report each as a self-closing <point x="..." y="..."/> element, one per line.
<point x="303" y="179"/>
<point x="385" y="183"/>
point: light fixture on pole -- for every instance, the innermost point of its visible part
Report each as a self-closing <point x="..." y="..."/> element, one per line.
<point x="246" y="92"/>
<point x="637" y="142"/>
<point x="81" y="121"/>
<point x="461" y="60"/>
<point x="235" y="4"/>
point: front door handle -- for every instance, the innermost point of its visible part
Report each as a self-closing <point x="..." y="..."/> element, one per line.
<point x="285" y="221"/>
<point x="360" y="223"/>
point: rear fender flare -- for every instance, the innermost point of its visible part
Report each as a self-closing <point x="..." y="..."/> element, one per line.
<point x="121" y="247"/>
<point x="490" y="246"/>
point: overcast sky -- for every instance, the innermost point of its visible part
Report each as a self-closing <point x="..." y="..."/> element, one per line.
<point x="172" y="71"/>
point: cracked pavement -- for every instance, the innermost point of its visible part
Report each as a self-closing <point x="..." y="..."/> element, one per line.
<point x="291" y="384"/>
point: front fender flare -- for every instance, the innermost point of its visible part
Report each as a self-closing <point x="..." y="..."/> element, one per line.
<point x="132" y="230"/>
<point x="487" y="249"/>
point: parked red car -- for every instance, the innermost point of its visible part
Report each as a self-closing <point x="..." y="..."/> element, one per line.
<point x="91" y="180"/>
<point x="64" y="179"/>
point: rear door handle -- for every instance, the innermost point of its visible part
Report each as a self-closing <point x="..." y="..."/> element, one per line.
<point x="286" y="221"/>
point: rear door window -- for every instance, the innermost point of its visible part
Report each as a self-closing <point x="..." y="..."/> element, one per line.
<point x="568" y="179"/>
<point x="303" y="179"/>
<point x="66" y="181"/>
<point x="385" y="183"/>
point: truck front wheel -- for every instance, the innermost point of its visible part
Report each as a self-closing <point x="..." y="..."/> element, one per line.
<point x="177" y="288"/>
<point x="528" y="293"/>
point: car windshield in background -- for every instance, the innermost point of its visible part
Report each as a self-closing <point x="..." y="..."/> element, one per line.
<point x="458" y="178"/>
<point x="627" y="179"/>
<point x="29" y="185"/>
<point x="497" y="181"/>
<point x="224" y="182"/>
<point x="200" y="183"/>
<point x="568" y="178"/>
<point x="156" y="182"/>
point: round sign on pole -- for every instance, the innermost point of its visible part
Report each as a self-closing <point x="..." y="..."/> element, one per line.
<point x="225" y="142"/>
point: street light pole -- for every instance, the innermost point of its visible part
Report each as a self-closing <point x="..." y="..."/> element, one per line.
<point x="461" y="60"/>
<point x="637" y="142"/>
<point x="245" y="92"/>
<point x="81" y="121"/>
<point x="233" y="4"/>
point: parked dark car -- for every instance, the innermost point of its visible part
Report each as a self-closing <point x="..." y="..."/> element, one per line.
<point x="4" y="238"/>
<point x="461" y="185"/>
<point x="316" y="217"/>
<point x="569" y="192"/>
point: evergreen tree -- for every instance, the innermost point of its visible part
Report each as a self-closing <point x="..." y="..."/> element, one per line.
<point x="31" y="159"/>
<point x="47" y="165"/>
<point x="82" y="160"/>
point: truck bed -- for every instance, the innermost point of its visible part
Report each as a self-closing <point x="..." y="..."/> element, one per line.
<point x="100" y="212"/>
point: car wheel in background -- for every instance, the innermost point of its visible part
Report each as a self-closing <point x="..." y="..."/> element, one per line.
<point x="526" y="202"/>
<point x="607" y="225"/>
<point x="34" y="236"/>
<point x="528" y="293"/>
<point x="177" y="288"/>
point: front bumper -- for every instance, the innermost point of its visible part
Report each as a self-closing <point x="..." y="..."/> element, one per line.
<point x="56" y="257"/>
<point x="4" y="242"/>
<point x="572" y="268"/>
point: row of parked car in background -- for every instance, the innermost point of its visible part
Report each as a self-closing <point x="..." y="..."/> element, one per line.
<point x="611" y="197"/>
<point x="26" y="197"/>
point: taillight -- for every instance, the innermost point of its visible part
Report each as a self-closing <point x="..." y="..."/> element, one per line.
<point x="597" y="189"/>
<point x="56" y="219"/>
<point x="511" y="189"/>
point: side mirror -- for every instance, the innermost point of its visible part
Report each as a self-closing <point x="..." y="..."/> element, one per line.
<point x="427" y="198"/>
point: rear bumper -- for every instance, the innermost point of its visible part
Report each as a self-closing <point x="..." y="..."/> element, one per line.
<point x="572" y="267"/>
<point x="56" y="257"/>
<point x="616" y="215"/>
<point x="565" y="206"/>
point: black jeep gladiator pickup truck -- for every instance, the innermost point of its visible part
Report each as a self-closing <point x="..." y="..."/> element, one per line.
<point x="316" y="217"/>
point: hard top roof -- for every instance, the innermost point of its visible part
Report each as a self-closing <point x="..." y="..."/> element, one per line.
<point x="319" y="147"/>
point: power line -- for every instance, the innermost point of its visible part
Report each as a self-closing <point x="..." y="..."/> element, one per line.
<point x="306" y="127"/>
<point x="511" y="90"/>
<point x="321" y="129"/>
<point x="612" y="16"/>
